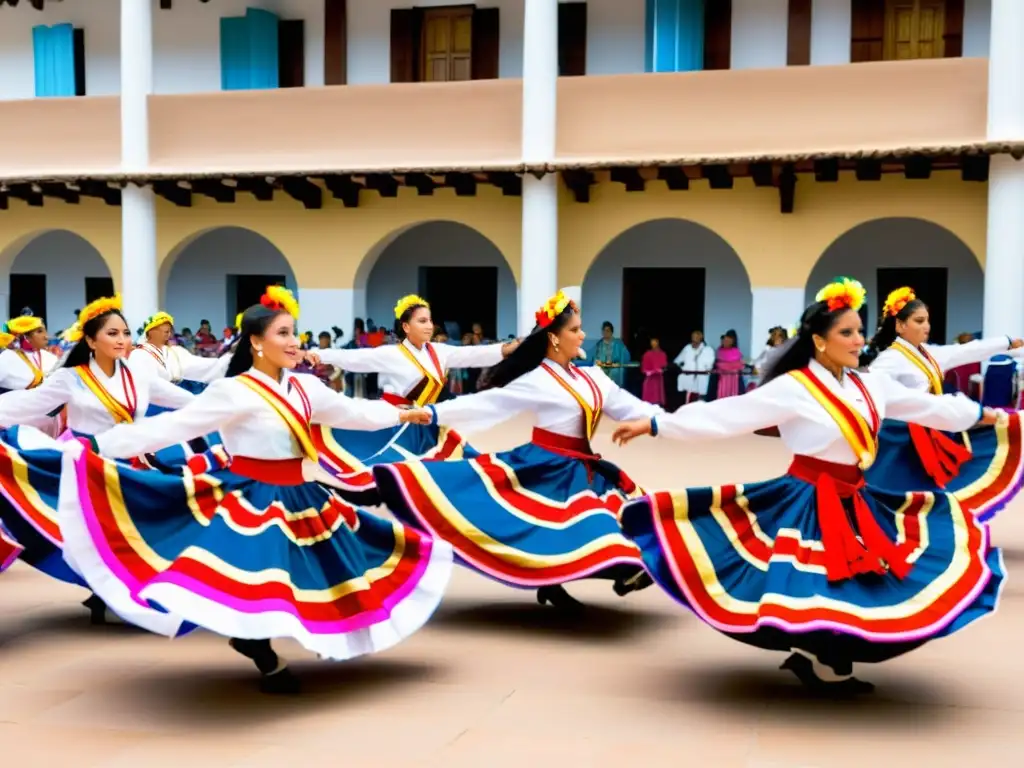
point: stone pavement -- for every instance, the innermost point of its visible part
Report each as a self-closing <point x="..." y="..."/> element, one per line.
<point x="496" y="680"/>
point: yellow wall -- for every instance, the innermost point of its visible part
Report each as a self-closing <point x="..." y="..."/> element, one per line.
<point x="327" y="248"/>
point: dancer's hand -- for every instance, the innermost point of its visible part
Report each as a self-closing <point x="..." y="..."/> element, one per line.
<point x="311" y="357"/>
<point x="1017" y="344"/>
<point x="994" y="416"/>
<point x="415" y="416"/>
<point x="631" y="429"/>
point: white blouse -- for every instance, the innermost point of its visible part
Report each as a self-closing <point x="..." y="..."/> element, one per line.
<point x="805" y="426"/>
<point x="248" y="425"/>
<point x="14" y="371"/>
<point x="402" y="375"/>
<point x="537" y="392"/>
<point x="85" y="413"/>
<point x="948" y="356"/>
<point x="174" y="363"/>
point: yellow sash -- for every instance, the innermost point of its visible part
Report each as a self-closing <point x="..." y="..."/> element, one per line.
<point x="296" y="422"/>
<point x="37" y="372"/>
<point x="121" y="413"/>
<point x="591" y="413"/>
<point x="861" y="436"/>
<point x="435" y="381"/>
<point x="930" y="368"/>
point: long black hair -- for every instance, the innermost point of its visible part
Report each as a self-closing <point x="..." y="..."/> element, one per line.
<point x="255" y="321"/>
<point x="80" y="353"/>
<point x="405" y="317"/>
<point x="528" y="355"/>
<point x="817" y="320"/>
<point x="886" y="333"/>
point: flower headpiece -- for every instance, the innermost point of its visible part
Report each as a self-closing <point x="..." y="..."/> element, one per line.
<point x="6" y="339"/>
<point x="238" y="321"/>
<point x="90" y="312"/>
<point x="897" y="300"/>
<point x="552" y="308"/>
<point x="843" y="293"/>
<point x="155" y="321"/>
<point x="19" y="326"/>
<point x="277" y="297"/>
<point x="404" y="303"/>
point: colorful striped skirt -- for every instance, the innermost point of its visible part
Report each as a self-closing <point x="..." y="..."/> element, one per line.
<point x="819" y="561"/>
<point x="544" y="513"/>
<point x="982" y="468"/>
<point x="254" y="552"/>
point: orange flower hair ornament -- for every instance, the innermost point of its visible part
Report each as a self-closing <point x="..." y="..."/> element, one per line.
<point x="843" y="293"/>
<point x="552" y="308"/>
<point x="896" y="301"/>
<point x="91" y="312"/>
<point x="404" y="303"/>
<point x="279" y="298"/>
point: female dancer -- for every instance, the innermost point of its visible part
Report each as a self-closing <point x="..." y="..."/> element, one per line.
<point x="544" y="513"/>
<point x="96" y="389"/>
<point x="264" y="550"/>
<point x="985" y="470"/>
<point x="417" y="373"/>
<point x="818" y="562"/>
<point x="25" y="362"/>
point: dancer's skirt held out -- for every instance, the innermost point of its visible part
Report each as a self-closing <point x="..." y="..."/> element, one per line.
<point x="983" y="468"/>
<point x="820" y="561"/>
<point x="542" y="514"/>
<point x="254" y="551"/>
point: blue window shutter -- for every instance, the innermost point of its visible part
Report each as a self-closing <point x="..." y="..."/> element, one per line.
<point x="62" y="48"/>
<point x="649" y="36"/>
<point x="42" y="60"/>
<point x="690" y="36"/>
<point x="666" y="25"/>
<point x="234" y="54"/>
<point x="263" y="58"/>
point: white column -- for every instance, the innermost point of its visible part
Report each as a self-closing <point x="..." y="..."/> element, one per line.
<point x="1004" y="260"/>
<point x="539" y="266"/>
<point x="139" y="279"/>
<point x="831" y="29"/>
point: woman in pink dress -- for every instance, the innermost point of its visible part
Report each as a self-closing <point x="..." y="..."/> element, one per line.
<point x="653" y="365"/>
<point x="729" y="365"/>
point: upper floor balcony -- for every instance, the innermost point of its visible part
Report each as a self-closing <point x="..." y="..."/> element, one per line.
<point x="71" y="47"/>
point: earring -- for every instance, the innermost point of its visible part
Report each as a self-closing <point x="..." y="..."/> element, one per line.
<point x="820" y="349"/>
<point x="259" y="353"/>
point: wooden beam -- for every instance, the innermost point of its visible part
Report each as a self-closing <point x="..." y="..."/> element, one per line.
<point x="215" y="189"/>
<point x="304" y="191"/>
<point x="869" y="169"/>
<point x="422" y="183"/>
<point x="917" y="167"/>
<point x="4" y="200"/>
<point x="974" y="167"/>
<point x="111" y="195"/>
<point x="674" y="177"/>
<point x="630" y="177"/>
<point x="38" y="5"/>
<point x="335" y="42"/>
<point x="173" y="192"/>
<point x="718" y="176"/>
<point x="763" y="174"/>
<point x="165" y="5"/>
<point x="344" y="189"/>
<point x="260" y="187"/>
<point x="27" y="192"/>
<point x="787" y="188"/>
<point x="384" y="184"/>
<point x="579" y="183"/>
<point x="826" y="169"/>
<point x="61" y="191"/>
<point x="464" y="184"/>
<point x="511" y="184"/>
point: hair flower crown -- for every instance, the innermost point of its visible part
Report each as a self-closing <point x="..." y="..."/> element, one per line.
<point x="90" y="312"/>
<point x="897" y="300"/>
<point x="552" y="308"/>
<point x="6" y="339"/>
<point x="19" y="326"/>
<point x="156" y="320"/>
<point x="279" y="298"/>
<point x="404" y="303"/>
<point x="843" y="293"/>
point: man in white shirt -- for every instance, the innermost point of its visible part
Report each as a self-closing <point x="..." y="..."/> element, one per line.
<point x="695" y="362"/>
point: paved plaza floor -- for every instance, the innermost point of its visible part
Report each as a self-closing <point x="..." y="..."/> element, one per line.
<point x="496" y="680"/>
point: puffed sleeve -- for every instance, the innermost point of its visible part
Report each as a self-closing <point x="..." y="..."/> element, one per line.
<point x="951" y="413"/>
<point x="202" y="369"/>
<point x="363" y="360"/>
<point x="483" y="410"/>
<point x="22" y="404"/>
<point x="619" y="403"/>
<point x="472" y="355"/>
<point x="978" y="351"/>
<point x="168" y="395"/>
<point x="213" y="409"/>
<point x="335" y="409"/>
<point x="769" y="405"/>
<point x="893" y="364"/>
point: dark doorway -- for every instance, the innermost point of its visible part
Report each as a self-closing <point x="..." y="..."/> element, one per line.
<point x="246" y="290"/>
<point x="28" y="291"/>
<point x="929" y="283"/>
<point x="463" y="295"/>
<point x="98" y="288"/>
<point x="663" y="302"/>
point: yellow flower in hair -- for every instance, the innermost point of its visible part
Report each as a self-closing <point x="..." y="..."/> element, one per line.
<point x="412" y="300"/>
<point x="843" y="293"/>
<point x="897" y="300"/>
<point x="552" y="308"/>
<point x="6" y="339"/>
<point x="238" y="321"/>
<point x="99" y="307"/>
<point x="279" y="297"/>
<point x="793" y="331"/>
<point x="155" y="321"/>
<point x="72" y="334"/>
<point x="19" y="326"/>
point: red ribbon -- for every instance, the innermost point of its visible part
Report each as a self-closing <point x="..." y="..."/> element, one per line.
<point x="941" y="456"/>
<point x="577" y="448"/>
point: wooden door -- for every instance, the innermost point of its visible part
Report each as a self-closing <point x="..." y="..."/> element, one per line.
<point x="915" y="29"/>
<point x="448" y="44"/>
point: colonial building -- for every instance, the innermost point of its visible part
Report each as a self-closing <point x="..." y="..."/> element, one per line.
<point x="683" y="163"/>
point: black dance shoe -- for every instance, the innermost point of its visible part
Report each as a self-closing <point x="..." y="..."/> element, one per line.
<point x="275" y="678"/>
<point x="281" y="683"/>
<point x="635" y="583"/>
<point x="803" y="668"/>
<point x="97" y="610"/>
<point x="556" y="596"/>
